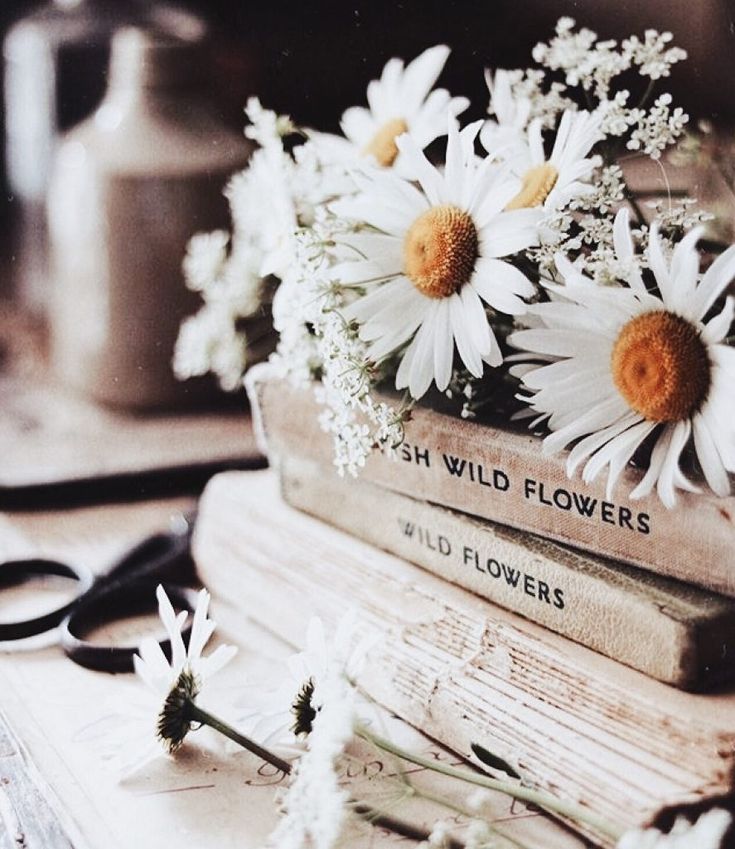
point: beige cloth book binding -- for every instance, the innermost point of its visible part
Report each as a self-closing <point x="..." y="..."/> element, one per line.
<point x="503" y="476"/>
<point x="462" y="670"/>
<point x="675" y="632"/>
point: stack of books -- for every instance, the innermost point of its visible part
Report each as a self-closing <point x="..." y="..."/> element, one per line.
<point x="589" y="642"/>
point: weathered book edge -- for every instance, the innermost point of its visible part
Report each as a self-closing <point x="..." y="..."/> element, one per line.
<point x="503" y="476"/>
<point x="678" y="634"/>
<point x="462" y="670"/>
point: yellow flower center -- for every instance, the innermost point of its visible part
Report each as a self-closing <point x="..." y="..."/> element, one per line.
<point x="537" y="184"/>
<point x="383" y="144"/>
<point x="440" y="251"/>
<point x="660" y="366"/>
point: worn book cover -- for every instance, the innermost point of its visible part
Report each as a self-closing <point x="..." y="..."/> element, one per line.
<point x="675" y="632"/>
<point x="502" y="475"/>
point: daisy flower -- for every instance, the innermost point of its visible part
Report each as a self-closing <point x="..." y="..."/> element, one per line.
<point x="706" y="833"/>
<point x="429" y="257"/>
<point x="179" y="681"/>
<point x="624" y="364"/>
<point x="153" y="720"/>
<point x="551" y="183"/>
<point x="511" y="113"/>
<point x="401" y="101"/>
<point x="284" y="716"/>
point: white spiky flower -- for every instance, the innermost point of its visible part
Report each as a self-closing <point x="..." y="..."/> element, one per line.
<point x="152" y="720"/>
<point x="551" y="182"/>
<point x="622" y="365"/>
<point x="403" y="100"/>
<point x="429" y="256"/>
<point x="284" y="715"/>
<point x="180" y="679"/>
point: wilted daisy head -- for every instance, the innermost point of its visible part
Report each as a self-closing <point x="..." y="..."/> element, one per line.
<point x="178" y="682"/>
<point x="429" y="255"/>
<point x="402" y="101"/>
<point x="624" y="365"/>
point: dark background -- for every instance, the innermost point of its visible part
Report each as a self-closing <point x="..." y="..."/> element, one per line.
<point x="313" y="59"/>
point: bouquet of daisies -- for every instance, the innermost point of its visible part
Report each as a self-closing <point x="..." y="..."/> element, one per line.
<point x="520" y="258"/>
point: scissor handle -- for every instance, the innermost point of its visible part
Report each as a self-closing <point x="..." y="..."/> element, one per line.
<point x="14" y="570"/>
<point x="110" y="604"/>
<point x="159" y="558"/>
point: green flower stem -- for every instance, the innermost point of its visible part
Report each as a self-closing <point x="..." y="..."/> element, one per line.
<point x="197" y="714"/>
<point x="526" y="794"/>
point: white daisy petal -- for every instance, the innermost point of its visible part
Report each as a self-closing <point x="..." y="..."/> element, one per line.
<point x="475" y="320"/>
<point x="358" y="124"/>
<point x="510" y="232"/>
<point x="714" y="281"/>
<point x="562" y="370"/>
<point x="594" y="441"/>
<point x="492" y="275"/>
<point x="218" y="659"/>
<point x="604" y="414"/>
<point x="684" y="268"/>
<point x="429" y="178"/>
<point x="381" y="296"/>
<point x="420" y="76"/>
<point x="658" y="455"/>
<point x="658" y="263"/>
<point x="404" y="367"/>
<point x="709" y="458"/>
<point x="443" y="346"/>
<point x="561" y="343"/>
<point x="616" y="454"/>
<point x="422" y="368"/>
<point x="406" y="309"/>
<point x="718" y="327"/>
<point x="494" y="357"/>
<point x="469" y="355"/>
<point x="169" y="619"/>
<point x="680" y="433"/>
<point x="201" y="628"/>
<point x="536" y="142"/>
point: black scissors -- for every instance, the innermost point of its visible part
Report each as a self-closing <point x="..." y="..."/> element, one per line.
<point x="127" y="588"/>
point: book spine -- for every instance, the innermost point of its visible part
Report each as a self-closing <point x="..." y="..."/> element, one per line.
<point x="503" y="476"/>
<point x="570" y="720"/>
<point x="653" y="624"/>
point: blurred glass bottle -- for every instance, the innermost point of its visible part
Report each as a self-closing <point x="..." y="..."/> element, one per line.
<point x="130" y="186"/>
<point x="56" y="60"/>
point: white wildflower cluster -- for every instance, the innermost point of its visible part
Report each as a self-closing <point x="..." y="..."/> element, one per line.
<point x="315" y="805"/>
<point x="232" y="288"/>
<point x="677" y="218"/>
<point x="316" y="341"/>
<point x="653" y="56"/>
<point x="594" y="66"/>
<point x="269" y="200"/>
<point x="659" y="128"/>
